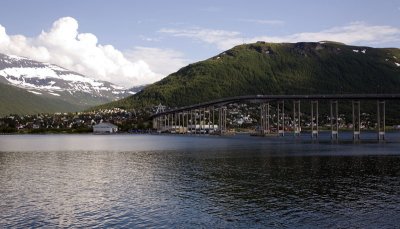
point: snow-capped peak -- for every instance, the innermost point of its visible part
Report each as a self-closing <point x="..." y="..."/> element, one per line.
<point x="33" y="75"/>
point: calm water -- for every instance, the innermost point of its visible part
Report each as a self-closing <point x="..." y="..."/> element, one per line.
<point x="143" y="181"/>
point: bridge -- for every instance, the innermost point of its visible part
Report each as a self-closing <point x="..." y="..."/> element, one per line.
<point x="200" y="118"/>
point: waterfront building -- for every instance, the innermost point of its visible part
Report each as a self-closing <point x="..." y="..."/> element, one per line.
<point x="105" y="127"/>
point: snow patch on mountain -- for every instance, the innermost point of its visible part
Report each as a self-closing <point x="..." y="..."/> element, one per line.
<point x="29" y="74"/>
<point x="35" y="92"/>
<point x="40" y="73"/>
<point x="55" y="94"/>
<point x="18" y="76"/>
<point x="14" y="57"/>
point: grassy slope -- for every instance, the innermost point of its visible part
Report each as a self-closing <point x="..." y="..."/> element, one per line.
<point x="268" y="68"/>
<point x="14" y="100"/>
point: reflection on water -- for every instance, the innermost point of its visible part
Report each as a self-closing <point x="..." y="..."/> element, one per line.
<point x="171" y="181"/>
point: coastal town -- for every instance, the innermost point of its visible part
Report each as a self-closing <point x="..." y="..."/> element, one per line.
<point x="78" y="122"/>
<point x="240" y="117"/>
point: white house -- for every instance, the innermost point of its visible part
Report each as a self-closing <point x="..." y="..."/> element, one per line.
<point x="105" y="127"/>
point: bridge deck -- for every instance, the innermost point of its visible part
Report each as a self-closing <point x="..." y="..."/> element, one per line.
<point x="267" y="98"/>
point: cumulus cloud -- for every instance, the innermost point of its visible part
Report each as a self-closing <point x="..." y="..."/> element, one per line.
<point x="65" y="46"/>
<point x="163" y="61"/>
<point x="353" y="33"/>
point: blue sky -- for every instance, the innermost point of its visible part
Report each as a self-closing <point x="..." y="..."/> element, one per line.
<point x="158" y="37"/>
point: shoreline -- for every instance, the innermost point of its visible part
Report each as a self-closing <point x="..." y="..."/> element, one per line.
<point x="155" y="133"/>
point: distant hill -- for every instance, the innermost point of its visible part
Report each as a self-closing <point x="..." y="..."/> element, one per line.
<point x="14" y="100"/>
<point x="52" y="87"/>
<point x="276" y="68"/>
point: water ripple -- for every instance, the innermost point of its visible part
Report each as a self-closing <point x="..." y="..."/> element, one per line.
<point x="232" y="188"/>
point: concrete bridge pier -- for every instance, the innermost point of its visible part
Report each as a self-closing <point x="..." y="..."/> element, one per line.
<point x="381" y="122"/>
<point x="296" y="118"/>
<point x="264" y="121"/>
<point x="195" y="121"/>
<point x="281" y="118"/>
<point x="179" y="122"/>
<point x="314" y="119"/>
<point x="203" y="123"/>
<point x="199" y="122"/>
<point x="167" y="127"/>
<point x="222" y="120"/>
<point x="174" y="122"/>
<point x="209" y="118"/>
<point x="204" y="120"/>
<point x="213" y="119"/>
<point x="225" y="112"/>
<point x="184" y="122"/>
<point x="165" y="122"/>
<point x="187" y="121"/>
<point x="199" y="115"/>
<point x="267" y="117"/>
<point x="356" y="120"/>
<point x="182" y="129"/>
<point x="334" y="116"/>
<point x="190" y="121"/>
<point x="196" y="115"/>
<point x="155" y="123"/>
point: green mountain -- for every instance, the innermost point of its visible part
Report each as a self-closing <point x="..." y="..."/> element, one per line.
<point x="276" y="68"/>
<point x="14" y="100"/>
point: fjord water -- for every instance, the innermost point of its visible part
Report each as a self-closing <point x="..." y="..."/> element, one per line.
<point x="161" y="181"/>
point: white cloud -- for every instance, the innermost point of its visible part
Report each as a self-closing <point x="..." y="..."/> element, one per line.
<point x="162" y="61"/>
<point x="149" y="39"/>
<point x="264" y="22"/>
<point x="4" y="39"/>
<point x="353" y="33"/>
<point x="222" y="38"/>
<point x="356" y="32"/>
<point x="65" y="46"/>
